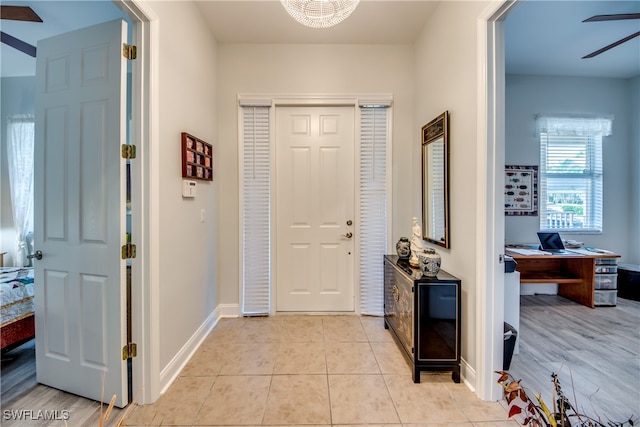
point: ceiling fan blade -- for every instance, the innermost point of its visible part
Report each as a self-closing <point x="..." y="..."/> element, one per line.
<point x="17" y="44"/>
<point x="616" y="17"/>
<point x="19" y="13"/>
<point x="611" y="46"/>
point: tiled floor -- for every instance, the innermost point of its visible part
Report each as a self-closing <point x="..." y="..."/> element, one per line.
<point x="311" y="371"/>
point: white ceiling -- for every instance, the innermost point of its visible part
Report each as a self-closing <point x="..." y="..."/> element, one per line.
<point x="542" y="37"/>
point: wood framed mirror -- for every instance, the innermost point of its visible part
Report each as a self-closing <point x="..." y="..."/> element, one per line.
<point x="435" y="181"/>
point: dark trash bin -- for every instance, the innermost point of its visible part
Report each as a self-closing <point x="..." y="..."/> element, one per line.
<point x="510" y="336"/>
<point x="629" y="281"/>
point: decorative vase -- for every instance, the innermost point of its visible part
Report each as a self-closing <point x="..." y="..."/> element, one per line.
<point x="403" y="247"/>
<point x="429" y="262"/>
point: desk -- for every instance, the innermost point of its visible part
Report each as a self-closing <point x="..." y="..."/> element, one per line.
<point x="574" y="273"/>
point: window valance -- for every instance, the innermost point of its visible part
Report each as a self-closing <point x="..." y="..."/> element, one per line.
<point x="574" y="125"/>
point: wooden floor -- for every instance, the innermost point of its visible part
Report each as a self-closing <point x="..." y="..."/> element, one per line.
<point x="596" y="353"/>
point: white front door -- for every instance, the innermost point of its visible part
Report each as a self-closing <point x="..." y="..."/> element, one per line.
<point x="315" y="208"/>
<point x="80" y="212"/>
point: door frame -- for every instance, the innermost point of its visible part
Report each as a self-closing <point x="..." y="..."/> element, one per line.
<point x="490" y="197"/>
<point x="145" y="201"/>
<point x="320" y="100"/>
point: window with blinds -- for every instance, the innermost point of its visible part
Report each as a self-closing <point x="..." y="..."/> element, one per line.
<point x="373" y="207"/>
<point x="256" y="210"/>
<point x="571" y="182"/>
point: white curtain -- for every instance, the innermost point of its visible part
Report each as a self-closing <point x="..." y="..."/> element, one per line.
<point x="20" y="138"/>
<point x="574" y="125"/>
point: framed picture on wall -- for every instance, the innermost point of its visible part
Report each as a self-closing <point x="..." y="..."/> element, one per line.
<point x="521" y="190"/>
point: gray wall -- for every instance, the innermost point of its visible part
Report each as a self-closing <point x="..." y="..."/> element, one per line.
<point x="530" y="95"/>
<point x="18" y="97"/>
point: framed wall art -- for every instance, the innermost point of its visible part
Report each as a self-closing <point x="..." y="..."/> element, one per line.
<point x="521" y="190"/>
<point x="197" y="158"/>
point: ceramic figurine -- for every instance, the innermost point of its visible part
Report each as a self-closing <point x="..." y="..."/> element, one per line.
<point x="416" y="243"/>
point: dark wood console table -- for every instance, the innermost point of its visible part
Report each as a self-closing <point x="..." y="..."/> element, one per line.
<point x="423" y="314"/>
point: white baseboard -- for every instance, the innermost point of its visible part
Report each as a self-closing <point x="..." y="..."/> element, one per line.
<point x="173" y="369"/>
<point x="468" y="375"/>
<point x="229" y="310"/>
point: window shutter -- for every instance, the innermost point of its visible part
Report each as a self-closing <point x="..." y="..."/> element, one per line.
<point x="373" y="208"/>
<point x="256" y="210"/>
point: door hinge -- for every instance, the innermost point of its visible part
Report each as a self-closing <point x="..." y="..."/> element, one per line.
<point x="129" y="351"/>
<point x="128" y="151"/>
<point x="129" y="51"/>
<point x="128" y="251"/>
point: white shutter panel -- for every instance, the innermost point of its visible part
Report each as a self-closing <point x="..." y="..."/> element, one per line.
<point x="256" y="203"/>
<point x="373" y="208"/>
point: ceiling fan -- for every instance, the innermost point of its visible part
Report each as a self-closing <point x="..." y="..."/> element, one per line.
<point x="18" y="13"/>
<point x="616" y="17"/>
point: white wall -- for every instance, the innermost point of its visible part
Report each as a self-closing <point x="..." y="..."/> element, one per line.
<point x="530" y="95"/>
<point x="188" y="287"/>
<point x="18" y="97"/>
<point x="445" y="74"/>
<point x="308" y="69"/>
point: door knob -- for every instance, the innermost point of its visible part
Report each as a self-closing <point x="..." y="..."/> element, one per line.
<point x="348" y="235"/>
<point x="37" y="255"/>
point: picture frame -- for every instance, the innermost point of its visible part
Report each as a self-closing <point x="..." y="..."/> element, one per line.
<point x="521" y="190"/>
<point x="197" y="158"/>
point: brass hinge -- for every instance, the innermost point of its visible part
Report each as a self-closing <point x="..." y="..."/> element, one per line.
<point x="129" y="51"/>
<point x="128" y="251"/>
<point x="128" y="151"/>
<point x="129" y="351"/>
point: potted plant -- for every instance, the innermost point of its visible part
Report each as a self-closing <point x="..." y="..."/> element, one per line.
<point x="536" y="413"/>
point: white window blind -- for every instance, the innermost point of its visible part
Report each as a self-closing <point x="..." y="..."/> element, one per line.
<point x="373" y="208"/>
<point x="256" y="210"/>
<point x="571" y="179"/>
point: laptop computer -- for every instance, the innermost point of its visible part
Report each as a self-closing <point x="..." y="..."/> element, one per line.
<point x="551" y="242"/>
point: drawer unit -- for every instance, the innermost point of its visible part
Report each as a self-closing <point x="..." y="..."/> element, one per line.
<point x="606" y="281"/>
<point x="606" y="298"/>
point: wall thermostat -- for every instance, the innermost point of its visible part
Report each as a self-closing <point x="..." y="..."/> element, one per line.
<point x="189" y="188"/>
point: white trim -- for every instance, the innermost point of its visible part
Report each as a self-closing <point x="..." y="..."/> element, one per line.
<point x="182" y="357"/>
<point x="275" y="100"/>
<point x="490" y="199"/>
<point x="145" y="303"/>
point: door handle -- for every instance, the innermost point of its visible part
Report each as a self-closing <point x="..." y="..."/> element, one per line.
<point x="37" y="255"/>
<point x="348" y="235"/>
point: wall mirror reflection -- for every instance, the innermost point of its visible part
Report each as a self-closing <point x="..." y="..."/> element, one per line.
<point x="435" y="180"/>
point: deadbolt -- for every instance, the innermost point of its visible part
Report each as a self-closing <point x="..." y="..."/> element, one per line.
<point x="349" y="222"/>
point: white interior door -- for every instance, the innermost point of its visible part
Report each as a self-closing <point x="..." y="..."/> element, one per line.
<point x="315" y="208"/>
<point x="80" y="212"/>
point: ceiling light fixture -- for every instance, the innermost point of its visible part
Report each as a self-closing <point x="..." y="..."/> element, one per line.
<point x="319" y="13"/>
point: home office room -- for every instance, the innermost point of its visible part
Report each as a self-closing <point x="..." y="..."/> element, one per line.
<point x="571" y="139"/>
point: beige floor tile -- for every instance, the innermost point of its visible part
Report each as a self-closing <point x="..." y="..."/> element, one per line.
<point x="260" y="329"/>
<point x="298" y="400"/>
<point x="178" y="406"/>
<point x="251" y="359"/>
<point x="390" y="358"/>
<point x="343" y="329"/>
<point x="473" y="407"/>
<point x="207" y="361"/>
<point x="350" y="358"/>
<point x="423" y="402"/>
<point x="360" y="399"/>
<point x="301" y="329"/>
<point x="374" y="329"/>
<point x="235" y="400"/>
<point x="301" y="358"/>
